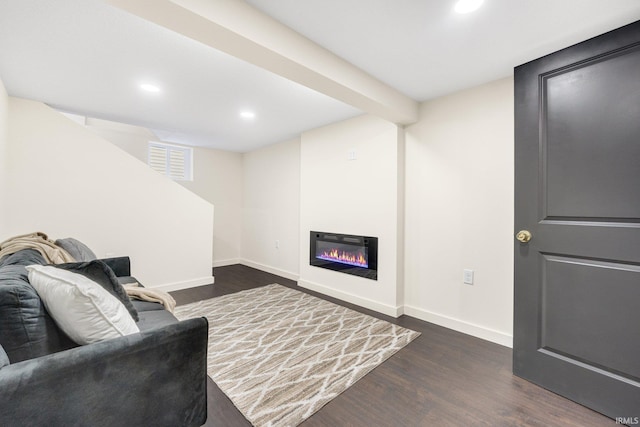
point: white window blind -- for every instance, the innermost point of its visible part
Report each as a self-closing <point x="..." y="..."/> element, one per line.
<point x="171" y="160"/>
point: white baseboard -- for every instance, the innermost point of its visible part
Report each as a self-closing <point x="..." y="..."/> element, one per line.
<point x="460" y="326"/>
<point x="225" y="262"/>
<point x="353" y="299"/>
<point x="194" y="283"/>
<point x="278" y="272"/>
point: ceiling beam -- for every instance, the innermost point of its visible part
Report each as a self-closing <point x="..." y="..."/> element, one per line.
<point x="238" y="29"/>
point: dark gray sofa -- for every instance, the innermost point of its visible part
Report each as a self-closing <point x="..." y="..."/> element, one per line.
<point x="153" y="378"/>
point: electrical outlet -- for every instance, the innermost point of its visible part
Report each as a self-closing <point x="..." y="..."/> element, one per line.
<point x="467" y="276"/>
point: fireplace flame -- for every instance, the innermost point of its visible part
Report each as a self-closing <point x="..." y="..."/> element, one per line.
<point x="344" y="257"/>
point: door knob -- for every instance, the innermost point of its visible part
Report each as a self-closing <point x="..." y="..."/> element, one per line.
<point x="523" y="236"/>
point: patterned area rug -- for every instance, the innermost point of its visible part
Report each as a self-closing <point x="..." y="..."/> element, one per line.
<point x="281" y="354"/>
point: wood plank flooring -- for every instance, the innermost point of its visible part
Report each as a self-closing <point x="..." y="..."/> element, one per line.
<point x="442" y="378"/>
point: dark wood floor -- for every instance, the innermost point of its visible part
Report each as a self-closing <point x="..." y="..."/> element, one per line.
<point x="442" y="378"/>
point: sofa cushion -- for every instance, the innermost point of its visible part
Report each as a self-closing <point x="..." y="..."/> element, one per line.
<point x="155" y="318"/>
<point x="146" y="305"/>
<point x="4" y="359"/>
<point x="127" y="280"/>
<point x="78" y="250"/>
<point x="83" y="309"/>
<point x="26" y="329"/>
<point x="100" y="273"/>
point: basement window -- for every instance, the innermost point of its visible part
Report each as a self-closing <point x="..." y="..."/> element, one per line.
<point x="173" y="161"/>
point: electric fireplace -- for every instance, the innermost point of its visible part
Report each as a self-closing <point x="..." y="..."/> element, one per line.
<point x="357" y="255"/>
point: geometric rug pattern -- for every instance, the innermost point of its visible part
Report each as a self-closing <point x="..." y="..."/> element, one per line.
<point x="280" y="354"/>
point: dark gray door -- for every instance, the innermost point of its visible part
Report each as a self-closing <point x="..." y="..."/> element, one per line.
<point x="577" y="191"/>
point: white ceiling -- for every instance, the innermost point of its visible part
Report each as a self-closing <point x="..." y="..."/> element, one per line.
<point x="87" y="57"/>
<point x="424" y="50"/>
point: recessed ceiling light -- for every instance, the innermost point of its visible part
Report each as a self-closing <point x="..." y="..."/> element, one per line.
<point x="466" y="6"/>
<point x="149" y="88"/>
<point x="248" y="115"/>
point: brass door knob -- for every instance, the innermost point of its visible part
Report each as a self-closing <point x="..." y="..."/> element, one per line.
<point x="523" y="236"/>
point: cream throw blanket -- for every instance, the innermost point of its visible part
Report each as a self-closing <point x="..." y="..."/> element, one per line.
<point x="152" y="295"/>
<point x="39" y="241"/>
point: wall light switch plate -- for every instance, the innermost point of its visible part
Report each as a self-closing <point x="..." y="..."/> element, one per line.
<point x="467" y="276"/>
<point x="352" y="154"/>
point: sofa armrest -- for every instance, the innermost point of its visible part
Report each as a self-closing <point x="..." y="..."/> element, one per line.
<point x="157" y="377"/>
<point x="121" y="266"/>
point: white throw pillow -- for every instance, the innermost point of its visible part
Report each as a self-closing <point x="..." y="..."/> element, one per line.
<point x="83" y="309"/>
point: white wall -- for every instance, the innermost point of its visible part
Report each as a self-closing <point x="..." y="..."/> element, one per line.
<point x="271" y="209"/>
<point x="132" y="139"/>
<point x="68" y="182"/>
<point x="459" y="212"/>
<point x="217" y="178"/>
<point x="4" y="111"/>
<point x="353" y="197"/>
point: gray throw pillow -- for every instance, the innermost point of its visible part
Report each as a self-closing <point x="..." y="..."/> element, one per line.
<point x="4" y="359"/>
<point x="78" y="250"/>
<point x="100" y="273"/>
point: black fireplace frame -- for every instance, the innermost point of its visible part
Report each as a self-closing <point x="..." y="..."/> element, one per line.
<point x="370" y="243"/>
